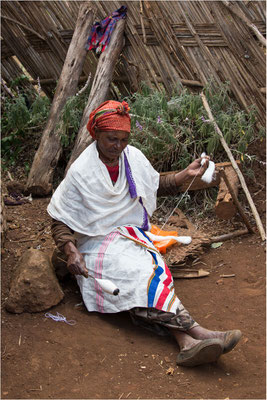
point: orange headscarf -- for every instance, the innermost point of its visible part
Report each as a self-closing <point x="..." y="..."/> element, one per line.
<point x="110" y="116"/>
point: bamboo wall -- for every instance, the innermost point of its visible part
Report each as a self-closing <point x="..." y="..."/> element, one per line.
<point x="166" y="43"/>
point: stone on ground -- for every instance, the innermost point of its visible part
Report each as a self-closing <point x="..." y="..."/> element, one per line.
<point x="34" y="286"/>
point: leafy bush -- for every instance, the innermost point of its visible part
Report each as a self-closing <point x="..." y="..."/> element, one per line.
<point x="172" y="132"/>
<point x="21" y="123"/>
<point x="70" y="119"/>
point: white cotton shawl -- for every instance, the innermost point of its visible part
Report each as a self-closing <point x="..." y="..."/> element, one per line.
<point x="88" y="202"/>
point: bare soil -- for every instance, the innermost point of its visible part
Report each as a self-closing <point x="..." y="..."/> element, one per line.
<point x="107" y="357"/>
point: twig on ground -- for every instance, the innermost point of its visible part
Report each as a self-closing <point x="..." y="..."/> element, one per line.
<point x="10" y="176"/>
<point x="37" y="390"/>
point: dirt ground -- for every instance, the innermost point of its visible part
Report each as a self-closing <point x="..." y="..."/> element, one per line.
<point x="107" y="357"/>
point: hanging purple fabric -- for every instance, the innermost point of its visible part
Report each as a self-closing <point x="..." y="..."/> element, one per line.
<point x="130" y="179"/>
<point x="101" y="31"/>
<point x="133" y="192"/>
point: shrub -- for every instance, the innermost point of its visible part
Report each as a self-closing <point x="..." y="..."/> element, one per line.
<point x="21" y="123"/>
<point x="172" y="132"/>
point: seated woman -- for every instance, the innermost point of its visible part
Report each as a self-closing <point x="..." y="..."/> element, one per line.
<point x="100" y="217"/>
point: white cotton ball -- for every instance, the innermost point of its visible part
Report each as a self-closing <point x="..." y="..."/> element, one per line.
<point x="208" y="175"/>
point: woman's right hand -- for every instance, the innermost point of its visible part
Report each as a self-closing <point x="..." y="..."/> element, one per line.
<point x="75" y="261"/>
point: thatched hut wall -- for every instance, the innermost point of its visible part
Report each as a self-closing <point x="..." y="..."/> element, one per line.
<point x="166" y="43"/>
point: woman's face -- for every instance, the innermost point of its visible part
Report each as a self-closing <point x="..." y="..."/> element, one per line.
<point x="110" y="144"/>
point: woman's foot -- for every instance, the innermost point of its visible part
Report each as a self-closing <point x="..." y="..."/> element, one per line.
<point x="205" y="351"/>
<point x="228" y="338"/>
<point x="195" y="352"/>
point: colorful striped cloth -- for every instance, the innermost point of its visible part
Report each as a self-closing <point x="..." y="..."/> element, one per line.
<point x="128" y="258"/>
<point x="101" y="31"/>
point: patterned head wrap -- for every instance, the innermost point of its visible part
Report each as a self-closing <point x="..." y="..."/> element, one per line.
<point x="110" y="116"/>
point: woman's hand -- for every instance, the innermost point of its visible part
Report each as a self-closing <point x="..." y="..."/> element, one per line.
<point x="196" y="169"/>
<point x="75" y="261"/>
<point x="193" y="169"/>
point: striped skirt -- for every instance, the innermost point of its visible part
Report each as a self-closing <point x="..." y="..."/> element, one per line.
<point x="128" y="258"/>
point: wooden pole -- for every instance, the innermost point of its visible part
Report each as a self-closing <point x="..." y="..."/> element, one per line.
<point x="23" y="26"/>
<point x="235" y="166"/>
<point x="225" y="207"/>
<point x="100" y="87"/>
<point x="123" y="78"/>
<point x="40" y="178"/>
<point x="228" y="236"/>
<point x="142" y="21"/>
<point x="237" y="203"/>
<point x="239" y="14"/>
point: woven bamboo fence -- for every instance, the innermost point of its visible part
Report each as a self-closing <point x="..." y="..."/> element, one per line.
<point x="167" y="43"/>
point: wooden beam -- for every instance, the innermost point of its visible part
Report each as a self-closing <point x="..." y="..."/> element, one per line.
<point x="40" y="178"/>
<point x="23" y="26"/>
<point x="100" y="87"/>
<point x="238" y="205"/>
<point x="48" y="81"/>
<point x="225" y="207"/>
<point x="238" y="13"/>
<point x="228" y="236"/>
<point x="236" y="168"/>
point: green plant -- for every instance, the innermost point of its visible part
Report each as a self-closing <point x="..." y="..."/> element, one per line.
<point x="19" y="80"/>
<point x="21" y="123"/>
<point x="71" y="117"/>
<point x="173" y="131"/>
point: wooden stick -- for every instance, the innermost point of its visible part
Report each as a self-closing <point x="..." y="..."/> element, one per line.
<point x="227" y="236"/>
<point x="48" y="81"/>
<point x="225" y="207"/>
<point x="235" y="166"/>
<point x="100" y="87"/>
<point x="40" y="179"/>
<point x="237" y="203"/>
<point x="8" y="91"/>
<point x="238" y="13"/>
<point x="23" y="26"/>
<point x="142" y="21"/>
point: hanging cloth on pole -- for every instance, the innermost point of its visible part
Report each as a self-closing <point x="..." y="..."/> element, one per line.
<point x="101" y="31"/>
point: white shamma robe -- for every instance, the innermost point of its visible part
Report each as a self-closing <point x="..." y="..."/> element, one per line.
<point x="109" y="222"/>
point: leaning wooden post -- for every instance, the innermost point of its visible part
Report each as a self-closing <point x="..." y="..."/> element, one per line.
<point x="225" y="206"/>
<point x="235" y="166"/>
<point x="45" y="160"/>
<point x="100" y="87"/>
<point x="237" y="203"/>
<point x="253" y="27"/>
